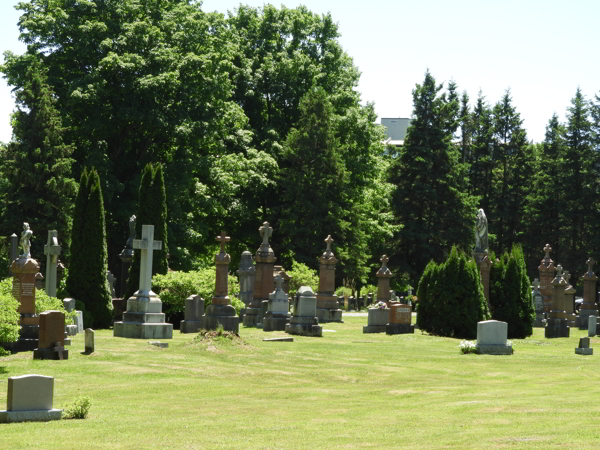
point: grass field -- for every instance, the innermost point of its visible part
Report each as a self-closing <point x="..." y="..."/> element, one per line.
<point x="344" y="390"/>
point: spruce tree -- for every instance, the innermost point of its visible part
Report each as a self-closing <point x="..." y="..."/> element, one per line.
<point x="430" y="200"/>
<point x="152" y="210"/>
<point x="87" y="280"/>
<point x="36" y="166"/>
<point x="510" y="296"/>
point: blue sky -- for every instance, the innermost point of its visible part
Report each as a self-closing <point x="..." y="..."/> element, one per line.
<point x="541" y="50"/>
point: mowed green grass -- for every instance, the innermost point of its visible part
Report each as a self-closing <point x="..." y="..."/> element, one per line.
<point x="344" y="390"/>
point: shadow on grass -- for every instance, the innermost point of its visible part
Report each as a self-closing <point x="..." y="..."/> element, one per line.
<point x="3" y="370"/>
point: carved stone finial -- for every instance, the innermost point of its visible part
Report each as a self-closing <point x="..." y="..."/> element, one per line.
<point x="223" y="239"/>
<point x="279" y="283"/>
<point x="265" y="232"/>
<point x="547" y="249"/>
<point x="329" y="241"/>
<point x="590" y="263"/>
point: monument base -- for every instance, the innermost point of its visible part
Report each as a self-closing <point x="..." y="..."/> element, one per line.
<point x="191" y="326"/>
<point x="491" y="349"/>
<point x="251" y="317"/>
<point x="329" y="315"/>
<point x="399" y="328"/>
<point x="143" y="320"/>
<point x="375" y="329"/>
<point x="304" y="326"/>
<point x="44" y="415"/>
<point x="49" y="353"/>
<point x="275" y="322"/>
<point x="584" y="351"/>
<point x="540" y="320"/>
<point x="556" y="328"/>
<point x="222" y="315"/>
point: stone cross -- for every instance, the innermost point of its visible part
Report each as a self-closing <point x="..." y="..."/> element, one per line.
<point x="51" y="250"/>
<point x="536" y="286"/>
<point x="223" y="239"/>
<point x="266" y="232"/>
<point x="111" y="282"/>
<point x="147" y="244"/>
<point x="547" y="249"/>
<point x="279" y="282"/>
<point x="384" y="260"/>
<point x="566" y="276"/>
<point x="60" y="349"/>
<point x="590" y="263"/>
<point x="559" y="274"/>
<point x="329" y="241"/>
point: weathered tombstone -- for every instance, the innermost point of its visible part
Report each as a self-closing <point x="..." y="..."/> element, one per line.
<point x="377" y="319"/>
<point x="279" y="270"/>
<point x="24" y="269"/>
<point x="304" y="320"/>
<point x="79" y="321"/>
<point x="52" y="336"/>
<point x="263" y="282"/>
<point x="569" y="303"/>
<point x="383" y="280"/>
<point x="30" y="399"/>
<point x="89" y="340"/>
<point x="111" y="283"/>
<point x="538" y="302"/>
<point x="589" y="307"/>
<point x="491" y="338"/>
<point x="144" y="318"/>
<point x="547" y="269"/>
<point x="126" y="256"/>
<point x="584" y="347"/>
<point x="592" y="326"/>
<point x="220" y="311"/>
<point x="247" y="274"/>
<point x="557" y="324"/>
<point x="399" y="319"/>
<point x="69" y="304"/>
<point x="327" y="305"/>
<point x="277" y="315"/>
<point x="51" y="250"/>
<point x="193" y="315"/>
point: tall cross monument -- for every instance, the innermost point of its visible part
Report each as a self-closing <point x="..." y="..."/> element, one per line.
<point x="51" y="250"/>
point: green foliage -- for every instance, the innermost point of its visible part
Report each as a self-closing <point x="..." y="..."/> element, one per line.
<point x="302" y="275"/>
<point x="430" y="199"/>
<point x="510" y="296"/>
<point x="45" y="303"/>
<point x="36" y="164"/>
<point x="237" y="304"/>
<point x="86" y="279"/>
<point x="152" y="210"/>
<point x="369" y="288"/>
<point x="79" y="409"/>
<point x="174" y="287"/>
<point x="343" y="291"/>
<point x="451" y="299"/>
<point x="9" y="317"/>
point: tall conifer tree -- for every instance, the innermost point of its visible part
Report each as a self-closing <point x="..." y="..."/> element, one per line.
<point x="430" y="200"/>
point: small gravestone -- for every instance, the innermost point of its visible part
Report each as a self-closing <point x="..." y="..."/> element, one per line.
<point x="592" y="320"/>
<point x="491" y="338"/>
<point x="277" y="315"/>
<point x="538" y="302"/>
<point x="194" y="315"/>
<point x="30" y="399"/>
<point x="89" y="340"/>
<point x="399" y="319"/>
<point x="584" y="347"/>
<point x="304" y="320"/>
<point x="377" y="319"/>
<point x="69" y="304"/>
<point x="79" y="321"/>
<point x="52" y="337"/>
<point x="159" y="344"/>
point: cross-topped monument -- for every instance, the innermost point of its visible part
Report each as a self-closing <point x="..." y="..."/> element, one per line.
<point x="383" y="280"/>
<point x="144" y="318"/>
<point x="147" y="245"/>
<point x="329" y="241"/>
<point x="266" y="232"/>
<point x="536" y="285"/>
<point x="559" y="272"/>
<point x="547" y="249"/>
<point x="384" y="260"/>
<point x="590" y="263"/>
<point x="279" y="283"/>
<point x="51" y="250"/>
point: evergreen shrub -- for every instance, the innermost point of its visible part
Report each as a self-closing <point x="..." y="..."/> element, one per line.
<point x="510" y="295"/>
<point x="451" y="299"/>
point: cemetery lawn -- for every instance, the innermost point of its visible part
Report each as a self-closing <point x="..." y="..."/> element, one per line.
<point x="344" y="390"/>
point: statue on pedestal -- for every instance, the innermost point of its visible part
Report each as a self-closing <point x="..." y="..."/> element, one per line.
<point x="26" y="241"/>
<point x="481" y="232"/>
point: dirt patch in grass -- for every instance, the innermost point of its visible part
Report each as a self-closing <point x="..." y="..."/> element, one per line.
<point x="218" y="340"/>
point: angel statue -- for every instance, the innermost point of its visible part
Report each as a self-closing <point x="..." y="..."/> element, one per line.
<point x="481" y="232"/>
